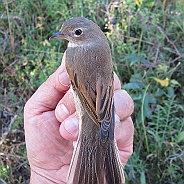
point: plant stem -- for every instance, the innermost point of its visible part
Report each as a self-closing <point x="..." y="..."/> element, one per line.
<point x="142" y="117"/>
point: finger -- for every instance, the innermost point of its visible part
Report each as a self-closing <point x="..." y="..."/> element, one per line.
<point x="65" y="113"/>
<point x="117" y="83"/>
<point x="65" y="107"/>
<point x="123" y="104"/>
<point x="49" y="93"/>
<point x="69" y="129"/>
<point x="124" y="132"/>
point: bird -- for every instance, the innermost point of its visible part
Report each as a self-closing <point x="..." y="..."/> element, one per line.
<point x="89" y="65"/>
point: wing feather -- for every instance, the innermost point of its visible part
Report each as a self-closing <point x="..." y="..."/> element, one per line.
<point x="95" y="90"/>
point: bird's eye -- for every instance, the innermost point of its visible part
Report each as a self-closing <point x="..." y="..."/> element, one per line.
<point x="78" y="32"/>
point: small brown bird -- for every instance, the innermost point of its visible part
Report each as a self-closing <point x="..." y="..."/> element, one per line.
<point x="89" y="65"/>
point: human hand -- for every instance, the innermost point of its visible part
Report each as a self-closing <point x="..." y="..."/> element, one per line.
<point x="51" y="126"/>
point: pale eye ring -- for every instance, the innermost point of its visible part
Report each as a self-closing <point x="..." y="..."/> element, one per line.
<point x="78" y="32"/>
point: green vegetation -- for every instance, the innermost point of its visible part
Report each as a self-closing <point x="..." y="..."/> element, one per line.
<point x="147" y="43"/>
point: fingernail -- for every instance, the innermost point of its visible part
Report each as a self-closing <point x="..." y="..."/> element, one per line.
<point x="71" y="125"/>
<point x="62" y="112"/>
<point x="64" y="79"/>
<point x="117" y="119"/>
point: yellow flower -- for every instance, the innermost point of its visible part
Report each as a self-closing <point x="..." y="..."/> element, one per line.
<point x="164" y="82"/>
<point x="45" y="43"/>
<point x="138" y="2"/>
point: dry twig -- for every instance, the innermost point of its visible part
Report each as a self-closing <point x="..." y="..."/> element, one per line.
<point x="8" y="130"/>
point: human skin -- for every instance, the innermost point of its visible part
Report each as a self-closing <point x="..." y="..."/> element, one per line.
<point x="51" y="126"/>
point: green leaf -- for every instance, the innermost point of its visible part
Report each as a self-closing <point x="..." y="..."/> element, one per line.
<point x="136" y="97"/>
<point x="151" y="99"/>
<point x="136" y="76"/>
<point x="181" y="136"/>
<point x="151" y="132"/>
<point x="134" y="59"/>
<point x="170" y="91"/>
<point x="135" y="82"/>
<point x="2" y="8"/>
<point x="160" y="92"/>
<point x="147" y="111"/>
<point x="143" y="178"/>
<point x="175" y="82"/>
<point x="132" y="85"/>
<point x="150" y="4"/>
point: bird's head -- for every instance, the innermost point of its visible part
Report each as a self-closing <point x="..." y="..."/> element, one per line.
<point x="80" y="31"/>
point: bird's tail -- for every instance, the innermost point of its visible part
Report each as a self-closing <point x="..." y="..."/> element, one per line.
<point x="95" y="162"/>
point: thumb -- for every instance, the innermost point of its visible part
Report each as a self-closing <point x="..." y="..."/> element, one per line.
<point x="49" y="93"/>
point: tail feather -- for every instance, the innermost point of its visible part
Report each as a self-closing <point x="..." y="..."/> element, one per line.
<point x="95" y="162"/>
<point x="113" y="167"/>
<point x="88" y="166"/>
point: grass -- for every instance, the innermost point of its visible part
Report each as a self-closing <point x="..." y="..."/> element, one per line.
<point x="147" y="44"/>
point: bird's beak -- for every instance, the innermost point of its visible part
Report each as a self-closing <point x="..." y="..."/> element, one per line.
<point x="58" y="35"/>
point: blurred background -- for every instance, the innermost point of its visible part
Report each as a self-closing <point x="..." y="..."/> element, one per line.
<point x="147" y="43"/>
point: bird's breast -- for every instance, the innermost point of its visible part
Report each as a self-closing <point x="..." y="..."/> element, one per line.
<point x="89" y="61"/>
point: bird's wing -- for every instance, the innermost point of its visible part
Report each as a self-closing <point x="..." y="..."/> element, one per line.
<point x="98" y="103"/>
<point x="105" y="107"/>
<point x="94" y="90"/>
